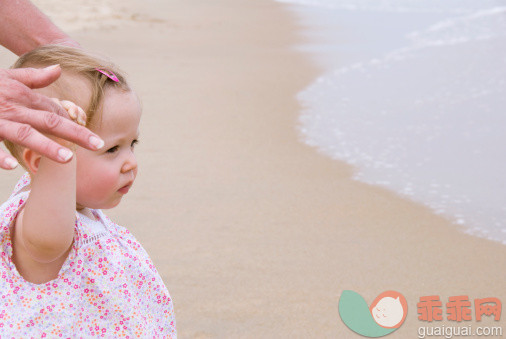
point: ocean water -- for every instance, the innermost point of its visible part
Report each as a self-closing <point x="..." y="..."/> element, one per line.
<point x="414" y="96"/>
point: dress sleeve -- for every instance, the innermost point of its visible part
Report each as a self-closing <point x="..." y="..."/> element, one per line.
<point x="8" y="213"/>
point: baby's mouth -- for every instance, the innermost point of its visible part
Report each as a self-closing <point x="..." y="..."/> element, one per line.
<point x="125" y="189"/>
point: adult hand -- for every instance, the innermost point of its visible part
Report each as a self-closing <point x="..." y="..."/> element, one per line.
<point x="25" y="115"/>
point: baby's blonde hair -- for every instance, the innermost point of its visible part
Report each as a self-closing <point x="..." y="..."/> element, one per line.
<point x="76" y="62"/>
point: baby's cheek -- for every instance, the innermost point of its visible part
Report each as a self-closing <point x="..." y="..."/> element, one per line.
<point x="104" y="183"/>
<point x="96" y="186"/>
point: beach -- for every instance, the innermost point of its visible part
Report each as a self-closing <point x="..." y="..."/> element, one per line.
<point x="254" y="233"/>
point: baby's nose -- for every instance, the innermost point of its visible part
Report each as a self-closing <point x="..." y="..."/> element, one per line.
<point x="130" y="164"/>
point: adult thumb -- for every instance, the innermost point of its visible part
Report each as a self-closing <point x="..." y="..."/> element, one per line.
<point x="36" y="77"/>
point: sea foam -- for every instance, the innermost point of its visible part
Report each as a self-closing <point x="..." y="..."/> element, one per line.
<point x="415" y="101"/>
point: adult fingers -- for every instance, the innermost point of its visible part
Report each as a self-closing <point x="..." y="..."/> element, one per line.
<point x="75" y="112"/>
<point x="6" y="161"/>
<point x="37" y="101"/>
<point x="68" y="130"/>
<point x="34" y="77"/>
<point x="14" y="93"/>
<point x="60" y="103"/>
<point x="53" y="124"/>
<point x="26" y="106"/>
<point x="48" y="123"/>
<point x="25" y="135"/>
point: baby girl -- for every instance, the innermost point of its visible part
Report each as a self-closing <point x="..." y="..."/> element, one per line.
<point x="66" y="268"/>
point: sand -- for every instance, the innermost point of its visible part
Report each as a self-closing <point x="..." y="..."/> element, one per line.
<point x="254" y="233"/>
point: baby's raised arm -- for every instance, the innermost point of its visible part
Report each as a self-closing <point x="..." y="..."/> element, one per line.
<point x="44" y="228"/>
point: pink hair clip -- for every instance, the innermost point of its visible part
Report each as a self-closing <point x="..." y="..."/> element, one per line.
<point x="110" y="75"/>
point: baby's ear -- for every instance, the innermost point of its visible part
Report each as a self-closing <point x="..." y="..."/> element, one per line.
<point x="32" y="160"/>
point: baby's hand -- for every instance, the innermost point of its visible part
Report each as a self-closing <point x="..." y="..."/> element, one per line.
<point x="75" y="112"/>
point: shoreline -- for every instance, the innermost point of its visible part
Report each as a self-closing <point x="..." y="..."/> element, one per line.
<point x="255" y="233"/>
<point x="364" y="138"/>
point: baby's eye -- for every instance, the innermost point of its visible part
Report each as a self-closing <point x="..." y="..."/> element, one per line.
<point x="112" y="149"/>
<point x="135" y="142"/>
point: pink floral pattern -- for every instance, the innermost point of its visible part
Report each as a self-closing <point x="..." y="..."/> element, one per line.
<point x="107" y="287"/>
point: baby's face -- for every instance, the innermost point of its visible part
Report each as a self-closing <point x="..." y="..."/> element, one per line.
<point x="104" y="176"/>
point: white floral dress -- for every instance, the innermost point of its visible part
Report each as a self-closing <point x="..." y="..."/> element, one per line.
<point x="107" y="287"/>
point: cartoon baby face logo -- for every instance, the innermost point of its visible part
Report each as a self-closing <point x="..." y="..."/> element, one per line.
<point x="386" y="313"/>
<point x="389" y="309"/>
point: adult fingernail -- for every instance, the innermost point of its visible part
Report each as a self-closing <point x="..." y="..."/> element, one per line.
<point x="11" y="163"/>
<point x="52" y="67"/>
<point x="64" y="154"/>
<point x="96" y="142"/>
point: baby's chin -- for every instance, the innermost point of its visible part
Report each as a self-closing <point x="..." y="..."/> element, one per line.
<point x="99" y="205"/>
